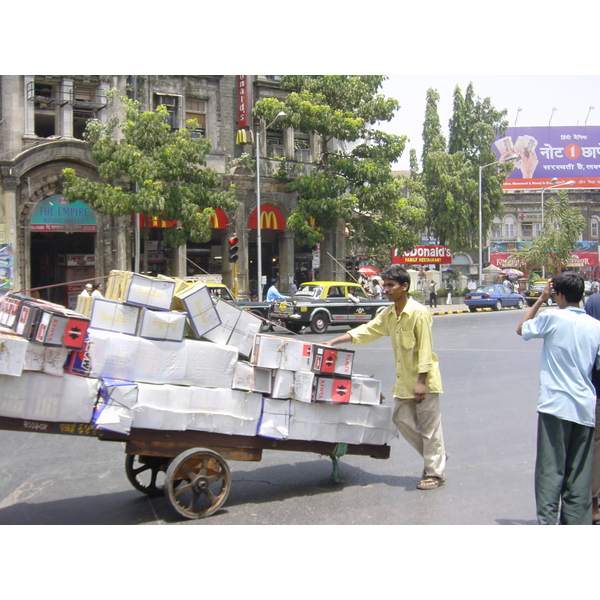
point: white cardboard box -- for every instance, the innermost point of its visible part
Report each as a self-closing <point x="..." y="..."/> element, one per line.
<point x="275" y="418"/>
<point x="114" y="408"/>
<point x="238" y="328"/>
<point x="162" y="325"/>
<point x="365" y="390"/>
<point x="252" y="379"/>
<point x="304" y="386"/>
<point x="41" y="397"/>
<point x="283" y="384"/>
<point x="190" y="362"/>
<point x="275" y="352"/>
<point x="342" y="423"/>
<point x="13" y="350"/>
<point x="198" y="303"/>
<point x="114" y="316"/>
<point x="150" y="292"/>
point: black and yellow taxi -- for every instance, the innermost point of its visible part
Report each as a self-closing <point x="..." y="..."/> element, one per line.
<point x="319" y="304"/>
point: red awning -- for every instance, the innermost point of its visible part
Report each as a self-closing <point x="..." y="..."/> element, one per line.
<point x="270" y="218"/>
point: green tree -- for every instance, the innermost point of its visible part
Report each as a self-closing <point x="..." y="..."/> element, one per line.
<point x="562" y="227"/>
<point x="451" y="176"/>
<point x="145" y="167"/>
<point x="352" y="180"/>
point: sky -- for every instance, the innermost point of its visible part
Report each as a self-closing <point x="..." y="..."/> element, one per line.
<point x="536" y="96"/>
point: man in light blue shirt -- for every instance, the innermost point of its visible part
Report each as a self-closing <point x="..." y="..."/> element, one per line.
<point x="273" y="292"/>
<point x="566" y="403"/>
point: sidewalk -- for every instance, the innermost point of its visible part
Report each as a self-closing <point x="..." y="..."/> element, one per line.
<point x="447" y="309"/>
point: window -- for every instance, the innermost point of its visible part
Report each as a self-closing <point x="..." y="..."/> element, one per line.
<point x="275" y="145"/>
<point x="496" y="230"/>
<point x="196" y="109"/>
<point x="171" y="103"/>
<point x="509" y="227"/>
<point x="526" y="230"/>
<point x="301" y="147"/>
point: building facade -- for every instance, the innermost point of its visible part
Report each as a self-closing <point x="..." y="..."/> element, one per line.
<point x="47" y="243"/>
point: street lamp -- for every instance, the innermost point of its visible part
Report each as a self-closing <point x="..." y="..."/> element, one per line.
<point x="258" y="212"/>
<point x="511" y="157"/>
<point x="553" y="184"/>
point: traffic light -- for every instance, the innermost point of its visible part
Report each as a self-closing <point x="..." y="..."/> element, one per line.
<point x="233" y="248"/>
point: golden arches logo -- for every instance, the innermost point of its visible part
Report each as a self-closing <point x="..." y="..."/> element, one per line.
<point x="268" y="220"/>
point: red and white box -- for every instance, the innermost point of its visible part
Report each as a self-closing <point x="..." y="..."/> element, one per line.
<point x="332" y="361"/>
<point x="333" y="389"/>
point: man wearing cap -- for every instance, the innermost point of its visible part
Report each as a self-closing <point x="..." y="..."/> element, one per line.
<point x="88" y="290"/>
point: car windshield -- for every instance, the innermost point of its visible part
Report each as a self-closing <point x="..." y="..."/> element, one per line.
<point x="309" y="291"/>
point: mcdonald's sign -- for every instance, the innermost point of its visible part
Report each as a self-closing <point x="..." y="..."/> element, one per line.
<point x="270" y="218"/>
<point x="218" y="220"/>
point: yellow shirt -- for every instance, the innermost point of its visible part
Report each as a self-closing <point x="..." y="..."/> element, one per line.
<point x="412" y="343"/>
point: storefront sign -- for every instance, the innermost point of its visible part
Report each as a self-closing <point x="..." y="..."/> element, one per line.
<point x="423" y="255"/>
<point x="567" y="153"/>
<point x="242" y="100"/>
<point x="56" y="214"/>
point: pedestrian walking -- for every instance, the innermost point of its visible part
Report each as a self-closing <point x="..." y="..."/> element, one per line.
<point x="566" y="402"/>
<point x="432" y="294"/>
<point x="418" y="381"/>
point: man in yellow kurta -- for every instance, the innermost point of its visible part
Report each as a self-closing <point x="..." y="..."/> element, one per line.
<point x="418" y="382"/>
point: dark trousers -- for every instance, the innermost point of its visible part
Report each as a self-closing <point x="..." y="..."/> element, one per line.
<point x="563" y="472"/>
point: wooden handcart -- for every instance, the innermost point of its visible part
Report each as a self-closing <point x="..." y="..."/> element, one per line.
<point x="197" y="478"/>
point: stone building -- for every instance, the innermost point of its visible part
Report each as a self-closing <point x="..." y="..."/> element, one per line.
<point x="42" y="120"/>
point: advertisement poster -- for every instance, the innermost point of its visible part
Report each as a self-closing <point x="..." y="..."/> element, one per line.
<point x="567" y="153"/>
<point x="584" y="255"/>
<point x="6" y="267"/>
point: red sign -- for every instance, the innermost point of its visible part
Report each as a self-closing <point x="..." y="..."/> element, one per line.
<point x="242" y="100"/>
<point x="423" y="255"/>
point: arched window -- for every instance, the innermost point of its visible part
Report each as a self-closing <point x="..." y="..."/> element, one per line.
<point x="509" y="227"/>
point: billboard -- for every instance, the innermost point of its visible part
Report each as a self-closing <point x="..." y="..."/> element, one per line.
<point x="567" y="153"/>
<point x="583" y="255"/>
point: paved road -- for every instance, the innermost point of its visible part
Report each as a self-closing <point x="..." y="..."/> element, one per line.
<point x="490" y="380"/>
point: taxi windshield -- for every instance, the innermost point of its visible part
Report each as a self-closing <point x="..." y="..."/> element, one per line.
<point x="309" y="291"/>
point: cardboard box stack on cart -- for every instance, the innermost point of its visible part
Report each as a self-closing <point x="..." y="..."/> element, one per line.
<point x="160" y="353"/>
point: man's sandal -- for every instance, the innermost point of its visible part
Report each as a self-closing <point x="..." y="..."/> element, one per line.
<point x="430" y="483"/>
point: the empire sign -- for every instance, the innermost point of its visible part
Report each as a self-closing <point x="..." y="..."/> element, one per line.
<point x="423" y="255"/>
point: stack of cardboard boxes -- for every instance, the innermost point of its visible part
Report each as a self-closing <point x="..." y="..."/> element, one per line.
<point x="159" y="353"/>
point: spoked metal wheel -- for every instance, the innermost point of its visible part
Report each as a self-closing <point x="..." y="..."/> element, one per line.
<point x="197" y="483"/>
<point x="146" y="473"/>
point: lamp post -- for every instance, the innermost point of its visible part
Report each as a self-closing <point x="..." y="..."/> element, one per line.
<point x="556" y="185"/>
<point x="497" y="162"/>
<point x="258" y="211"/>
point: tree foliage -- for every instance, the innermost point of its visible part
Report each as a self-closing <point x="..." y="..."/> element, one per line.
<point x="563" y="226"/>
<point x="352" y="179"/>
<point x="450" y="176"/>
<point x="145" y="167"/>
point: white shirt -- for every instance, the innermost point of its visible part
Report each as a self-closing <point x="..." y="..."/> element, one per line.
<point x="571" y="346"/>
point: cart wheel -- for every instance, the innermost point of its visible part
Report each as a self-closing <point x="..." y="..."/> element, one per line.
<point x="197" y="483"/>
<point x="143" y="473"/>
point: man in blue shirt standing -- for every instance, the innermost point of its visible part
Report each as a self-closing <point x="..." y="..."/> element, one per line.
<point x="566" y="403"/>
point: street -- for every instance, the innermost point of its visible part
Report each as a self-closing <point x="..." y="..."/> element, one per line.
<point x="490" y="378"/>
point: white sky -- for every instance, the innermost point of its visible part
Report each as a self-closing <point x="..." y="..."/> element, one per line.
<point x="571" y="95"/>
